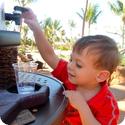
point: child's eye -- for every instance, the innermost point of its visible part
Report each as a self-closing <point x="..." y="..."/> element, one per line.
<point x="78" y="65"/>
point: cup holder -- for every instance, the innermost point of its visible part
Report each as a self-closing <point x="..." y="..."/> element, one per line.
<point x="13" y="89"/>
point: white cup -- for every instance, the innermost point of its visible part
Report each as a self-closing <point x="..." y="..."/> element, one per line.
<point x="25" y="80"/>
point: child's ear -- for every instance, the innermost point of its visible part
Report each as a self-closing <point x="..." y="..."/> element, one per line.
<point x="102" y="76"/>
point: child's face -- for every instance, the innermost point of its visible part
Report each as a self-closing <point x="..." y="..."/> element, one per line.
<point x="81" y="70"/>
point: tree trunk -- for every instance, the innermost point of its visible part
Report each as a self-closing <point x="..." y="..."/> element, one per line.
<point x="84" y="17"/>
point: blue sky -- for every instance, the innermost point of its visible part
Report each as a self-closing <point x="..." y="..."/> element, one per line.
<point x="65" y="10"/>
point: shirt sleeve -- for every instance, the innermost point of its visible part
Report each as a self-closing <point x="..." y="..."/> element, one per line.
<point x="60" y="72"/>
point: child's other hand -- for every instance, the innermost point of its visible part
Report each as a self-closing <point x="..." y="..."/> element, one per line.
<point x="75" y="98"/>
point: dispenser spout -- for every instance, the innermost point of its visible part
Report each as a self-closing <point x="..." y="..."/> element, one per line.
<point x="16" y="14"/>
<point x="14" y="17"/>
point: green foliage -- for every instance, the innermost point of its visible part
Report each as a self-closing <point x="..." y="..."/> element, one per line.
<point x="53" y="30"/>
<point x="55" y="33"/>
<point x="26" y="46"/>
<point x="122" y="61"/>
<point x="81" y="13"/>
<point x="66" y="57"/>
<point x="117" y="6"/>
<point x="92" y="13"/>
<point x="21" y="49"/>
<point x="89" y="15"/>
<point x="72" y="24"/>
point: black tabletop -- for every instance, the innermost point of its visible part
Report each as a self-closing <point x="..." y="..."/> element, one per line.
<point x="49" y="112"/>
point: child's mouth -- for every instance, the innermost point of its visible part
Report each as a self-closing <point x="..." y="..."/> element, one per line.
<point x="71" y="75"/>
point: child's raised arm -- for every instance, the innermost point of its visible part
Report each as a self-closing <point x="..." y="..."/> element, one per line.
<point x="42" y="43"/>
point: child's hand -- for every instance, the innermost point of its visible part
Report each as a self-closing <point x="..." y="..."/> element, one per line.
<point x="75" y="98"/>
<point x="30" y="19"/>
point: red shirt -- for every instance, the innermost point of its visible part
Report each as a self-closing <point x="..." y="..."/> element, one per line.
<point x="103" y="105"/>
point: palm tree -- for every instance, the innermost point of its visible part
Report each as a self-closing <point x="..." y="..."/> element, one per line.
<point x="83" y="15"/>
<point x="92" y="14"/>
<point x="89" y="16"/>
<point x="53" y="30"/>
<point x="118" y="8"/>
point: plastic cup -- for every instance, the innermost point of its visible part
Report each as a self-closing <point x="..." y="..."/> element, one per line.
<point x="25" y="79"/>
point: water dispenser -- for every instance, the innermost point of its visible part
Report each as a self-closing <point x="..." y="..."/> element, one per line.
<point x="10" y="38"/>
<point x="9" y="42"/>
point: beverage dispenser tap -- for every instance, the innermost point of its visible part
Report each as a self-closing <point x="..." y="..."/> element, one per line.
<point x="16" y="14"/>
<point x="13" y="17"/>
